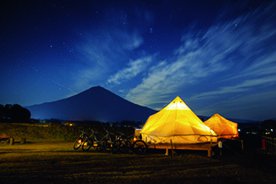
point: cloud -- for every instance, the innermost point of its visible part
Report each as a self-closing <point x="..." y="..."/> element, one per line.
<point x="134" y="67"/>
<point x="190" y="62"/>
<point x="262" y="65"/>
<point x="256" y="63"/>
<point x="253" y="106"/>
<point x="101" y="52"/>
<point x="167" y="78"/>
<point x="155" y="85"/>
<point x="236" y="54"/>
<point x="133" y="41"/>
<point x="244" y="86"/>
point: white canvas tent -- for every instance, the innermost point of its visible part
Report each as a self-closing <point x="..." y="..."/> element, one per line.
<point x="176" y="123"/>
<point x="223" y="127"/>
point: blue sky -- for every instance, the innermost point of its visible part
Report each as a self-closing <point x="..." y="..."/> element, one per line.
<point x="218" y="56"/>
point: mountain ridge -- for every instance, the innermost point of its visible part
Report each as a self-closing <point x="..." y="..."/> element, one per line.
<point x="95" y="103"/>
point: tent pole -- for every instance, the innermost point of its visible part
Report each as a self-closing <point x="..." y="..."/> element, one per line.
<point x="171" y="149"/>
<point x="167" y="152"/>
<point x="242" y="146"/>
<point x="210" y="148"/>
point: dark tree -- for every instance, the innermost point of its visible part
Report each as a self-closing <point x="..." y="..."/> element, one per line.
<point x="14" y="113"/>
<point x="19" y="113"/>
<point x="2" y="112"/>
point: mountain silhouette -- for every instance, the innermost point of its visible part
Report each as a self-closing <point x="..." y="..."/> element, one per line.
<point x="95" y="104"/>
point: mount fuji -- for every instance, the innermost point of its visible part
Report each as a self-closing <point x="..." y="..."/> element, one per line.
<point x="94" y="104"/>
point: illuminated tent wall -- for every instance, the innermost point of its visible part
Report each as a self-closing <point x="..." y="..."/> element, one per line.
<point x="223" y="127"/>
<point x="177" y="123"/>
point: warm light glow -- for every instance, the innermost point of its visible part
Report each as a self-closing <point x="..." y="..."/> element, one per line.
<point x="223" y="127"/>
<point x="177" y="104"/>
<point x="177" y="123"/>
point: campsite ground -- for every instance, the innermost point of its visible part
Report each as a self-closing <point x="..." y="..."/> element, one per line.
<point x="57" y="162"/>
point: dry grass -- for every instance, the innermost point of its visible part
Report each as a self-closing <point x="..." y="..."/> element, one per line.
<point x="56" y="162"/>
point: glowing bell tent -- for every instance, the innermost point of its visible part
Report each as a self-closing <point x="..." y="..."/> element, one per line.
<point x="223" y="127"/>
<point x="178" y="124"/>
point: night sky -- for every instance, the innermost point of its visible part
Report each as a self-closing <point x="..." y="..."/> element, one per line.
<point x="218" y="56"/>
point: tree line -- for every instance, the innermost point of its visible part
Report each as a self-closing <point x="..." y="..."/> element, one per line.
<point x="14" y="113"/>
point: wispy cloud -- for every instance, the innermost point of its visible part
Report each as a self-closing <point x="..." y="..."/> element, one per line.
<point x="156" y="84"/>
<point x="104" y="51"/>
<point x="238" y="88"/>
<point x="254" y="49"/>
<point x="262" y="65"/>
<point x="168" y="78"/>
<point x="253" y="106"/>
<point x="132" y="41"/>
<point x="133" y="68"/>
<point x="238" y="55"/>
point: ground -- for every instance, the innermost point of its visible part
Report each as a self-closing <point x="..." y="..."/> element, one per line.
<point x="57" y="162"/>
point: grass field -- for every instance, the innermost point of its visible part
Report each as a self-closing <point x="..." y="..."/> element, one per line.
<point x="57" y="162"/>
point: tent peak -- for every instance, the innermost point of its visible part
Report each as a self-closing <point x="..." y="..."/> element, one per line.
<point x="217" y="114"/>
<point x="177" y="99"/>
<point x="177" y="103"/>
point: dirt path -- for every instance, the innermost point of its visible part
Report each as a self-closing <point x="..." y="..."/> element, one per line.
<point x="57" y="162"/>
